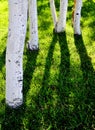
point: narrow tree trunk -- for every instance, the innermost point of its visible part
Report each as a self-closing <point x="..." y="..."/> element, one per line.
<point x="77" y="16"/>
<point x="62" y="17"/>
<point x="53" y="11"/>
<point x="14" y="53"/>
<point x="33" y="42"/>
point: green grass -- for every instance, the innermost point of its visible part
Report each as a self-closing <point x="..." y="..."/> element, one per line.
<point x="59" y="79"/>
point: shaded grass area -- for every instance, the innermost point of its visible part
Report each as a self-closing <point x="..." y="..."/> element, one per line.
<point x="59" y="79"/>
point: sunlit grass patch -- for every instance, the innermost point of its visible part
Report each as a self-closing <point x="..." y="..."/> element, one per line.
<point x="3" y="17"/>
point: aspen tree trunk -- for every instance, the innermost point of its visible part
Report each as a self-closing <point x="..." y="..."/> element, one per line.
<point x="53" y="11"/>
<point x="59" y="24"/>
<point x="33" y="42"/>
<point x="62" y="17"/>
<point x="14" y="52"/>
<point x="77" y="16"/>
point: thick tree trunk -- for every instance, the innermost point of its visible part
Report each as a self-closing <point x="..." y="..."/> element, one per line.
<point x="77" y="16"/>
<point x="53" y="11"/>
<point x="33" y="42"/>
<point x="14" y="53"/>
<point x="62" y="17"/>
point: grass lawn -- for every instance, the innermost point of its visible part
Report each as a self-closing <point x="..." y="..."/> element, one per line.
<point x="59" y="79"/>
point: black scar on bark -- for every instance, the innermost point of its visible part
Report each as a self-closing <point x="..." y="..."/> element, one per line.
<point x="9" y="60"/>
<point x="20" y="80"/>
<point x="77" y="13"/>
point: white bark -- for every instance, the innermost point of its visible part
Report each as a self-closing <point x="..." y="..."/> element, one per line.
<point x="14" y="53"/>
<point x="53" y="11"/>
<point x="59" y="24"/>
<point x="33" y="42"/>
<point x="77" y="16"/>
<point x="62" y="17"/>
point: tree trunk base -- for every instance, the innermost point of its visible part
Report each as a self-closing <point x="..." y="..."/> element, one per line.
<point x="55" y="31"/>
<point x="15" y="104"/>
<point x="32" y="47"/>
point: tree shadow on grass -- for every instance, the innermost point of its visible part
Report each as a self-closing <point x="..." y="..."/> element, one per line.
<point x="51" y="99"/>
<point x="2" y="80"/>
<point x="60" y="118"/>
<point x="88" y="83"/>
<point x="2" y="59"/>
<point x="64" y="64"/>
<point x="62" y="109"/>
<point x="2" y="55"/>
<point x="28" y="72"/>
<point x="2" y="77"/>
